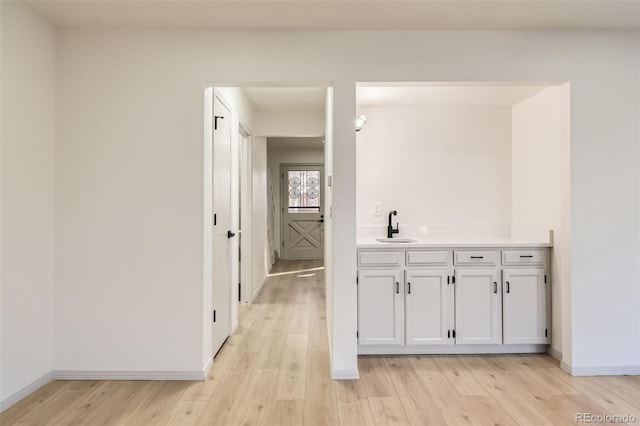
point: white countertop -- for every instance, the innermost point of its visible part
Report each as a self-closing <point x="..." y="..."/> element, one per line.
<point x="451" y="242"/>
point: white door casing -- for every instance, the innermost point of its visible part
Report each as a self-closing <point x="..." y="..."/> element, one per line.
<point x="246" y="206"/>
<point x="221" y="261"/>
<point x="302" y="211"/>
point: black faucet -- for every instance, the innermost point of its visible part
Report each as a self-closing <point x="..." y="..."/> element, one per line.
<point x="390" y="230"/>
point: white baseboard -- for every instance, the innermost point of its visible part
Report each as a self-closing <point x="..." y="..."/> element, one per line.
<point x="207" y="368"/>
<point x="253" y="298"/>
<point x="129" y="375"/>
<point x="345" y="374"/>
<point x="450" y="349"/>
<point x="11" y="400"/>
<point x="624" y="370"/>
<point x="555" y="353"/>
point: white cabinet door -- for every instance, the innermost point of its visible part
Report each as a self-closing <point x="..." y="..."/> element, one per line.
<point x="478" y="306"/>
<point x="427" y="307"/>
<point x="524" y="306"/>
<point x="380" y="307"/>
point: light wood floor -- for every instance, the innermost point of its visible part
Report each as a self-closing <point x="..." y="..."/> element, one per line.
<point x="275" y="370"/>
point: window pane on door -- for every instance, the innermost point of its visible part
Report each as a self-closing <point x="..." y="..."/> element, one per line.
<point x="304" y="191"/>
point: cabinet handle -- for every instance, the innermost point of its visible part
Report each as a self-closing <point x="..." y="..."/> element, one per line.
<point x="397" y="287"/>
<point x="495" y="290"/>
<point x="409" y="287"/>
<point x="525" y="256"/>
<point x="477" y="257"/>
<point x="508" y="290"/>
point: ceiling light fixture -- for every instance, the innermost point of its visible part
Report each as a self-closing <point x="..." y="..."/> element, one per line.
<point x="361" y="120"/>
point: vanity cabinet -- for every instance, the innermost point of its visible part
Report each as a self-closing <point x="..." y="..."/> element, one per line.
<point x="453" y="301"/>
<point x="380" y="307"/>
<point x="428" y="306"/>
<point x="478" y="300"/>
<point x="524" y="306"/>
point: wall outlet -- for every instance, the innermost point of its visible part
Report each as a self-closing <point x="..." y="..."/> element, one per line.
<point x="377" y="209"/>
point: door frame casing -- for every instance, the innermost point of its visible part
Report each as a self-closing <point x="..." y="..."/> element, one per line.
<point x="246" y="206"/>
<point x="227" y="105"/>
<point x="282" y="197"/>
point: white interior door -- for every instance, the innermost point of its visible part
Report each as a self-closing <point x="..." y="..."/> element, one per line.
<point x="302" y="198"/>
<point x="222" y="224"/>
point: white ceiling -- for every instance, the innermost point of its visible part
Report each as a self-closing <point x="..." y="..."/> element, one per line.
<point x="297" y="98"/>
<point x="482" y="95"/>
<point x="342" y="14"/>
<point x="295" y="142"/>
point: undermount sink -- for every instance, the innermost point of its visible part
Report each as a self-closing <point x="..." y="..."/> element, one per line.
<point x="395" y="240"/>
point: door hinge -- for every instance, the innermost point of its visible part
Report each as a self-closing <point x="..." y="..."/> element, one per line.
<point x="448" y="334"/>
<point x="283" y="244"/>
<point x="448" y="279"/>
<point x="215" y="121"/>
<point x="214" y="315"/>
<point x="453" y="334"/>
<point x="546" y="332"/>
<point x="239" y="292"/>
<point x="357" y="334"/>
<point x="545" y="278"/>
<point x="357" y="279"/>
<point x="283" y="176"/>
<point x="282" y="209"/>
<point x="215" y="219"/>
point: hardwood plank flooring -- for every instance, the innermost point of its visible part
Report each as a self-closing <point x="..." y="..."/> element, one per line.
<point x="275" y="371"/>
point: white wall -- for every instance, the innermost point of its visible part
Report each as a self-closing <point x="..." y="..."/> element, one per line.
<point x="261" y="260"/>
<point x="286" y="122"/>
<point x="444" y="167"/>
<point x="129" y="213"/>
<point x="277" y="157"/>
<point x="541" y="184"/>
<point x="130" y="171"/>
<point x="28" y="101"/>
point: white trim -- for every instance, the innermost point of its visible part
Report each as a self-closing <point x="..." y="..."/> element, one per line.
<point x="246" y="207"/>
<point x="345" y="374"/>
<point x="555" y="353"/>
<point x="254" y="297"/>
<point x="189" y="375"/>
<point x="450" y="349"/>
<point x="624" y="370"/>
<point x="207" y="368"/>
<point x="11" y="400"/>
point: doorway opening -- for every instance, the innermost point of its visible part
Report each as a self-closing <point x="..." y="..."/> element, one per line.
<point x="272" y="131"/>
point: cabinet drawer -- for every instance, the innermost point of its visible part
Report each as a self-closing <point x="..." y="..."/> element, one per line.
<point x="476" y="257"/>
<point x="440" y="258"/>
<point x="380" y="258"/>
<point x="523" y="257"/>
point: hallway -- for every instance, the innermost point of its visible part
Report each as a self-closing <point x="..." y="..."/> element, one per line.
<point x="275" y="371"/>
